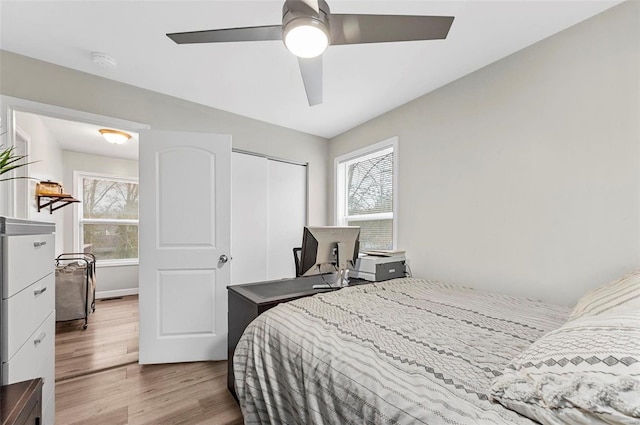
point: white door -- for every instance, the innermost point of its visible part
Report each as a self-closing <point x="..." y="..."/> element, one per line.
<point x="184" y="239"/>
<point x="268" y="214"/>
<point x="287" y="214"/>
<point x="249" y="232"/>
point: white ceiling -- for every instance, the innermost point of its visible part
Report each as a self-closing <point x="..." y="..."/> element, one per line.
<point x="84" y="137"/>
<point x="261" y="79"/>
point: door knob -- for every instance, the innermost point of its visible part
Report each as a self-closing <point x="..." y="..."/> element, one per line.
<point x="223" y="259"/>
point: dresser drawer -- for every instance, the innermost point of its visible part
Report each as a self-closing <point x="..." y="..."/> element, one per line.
<point x="35" y="359"/>
<point x="48" y="374"/>
<point x="27" y="258"/>
<point x="26" y="310"/>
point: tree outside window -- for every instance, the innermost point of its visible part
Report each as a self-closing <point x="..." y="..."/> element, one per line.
<point x="109" y="218"/>
<point x="365" y="194"/>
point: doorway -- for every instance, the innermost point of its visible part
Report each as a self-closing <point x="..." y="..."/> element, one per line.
<point x="60" y="141"/>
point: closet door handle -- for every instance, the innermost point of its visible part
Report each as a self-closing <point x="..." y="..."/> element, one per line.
<point x="39" y="291"/>
<point x="39" y="339"/>
<point x="38" y="244"/>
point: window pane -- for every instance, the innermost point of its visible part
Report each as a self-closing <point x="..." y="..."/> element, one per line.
<point x="375" y="234"/>
<point x="111" y="241"/>
<point x="109" y="199"/>
<point x="370" y="185"/>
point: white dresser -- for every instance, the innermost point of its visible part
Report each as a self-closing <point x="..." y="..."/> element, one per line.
<point x="27" y="332"/>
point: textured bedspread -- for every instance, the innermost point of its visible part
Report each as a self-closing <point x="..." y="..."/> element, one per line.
<point x="403" y="351"/>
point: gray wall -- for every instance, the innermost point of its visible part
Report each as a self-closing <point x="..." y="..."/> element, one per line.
<point x="38" y="81"/>
<point x="523" y="177"/>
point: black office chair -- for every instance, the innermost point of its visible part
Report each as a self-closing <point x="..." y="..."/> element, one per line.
<point x="297" y="253"/>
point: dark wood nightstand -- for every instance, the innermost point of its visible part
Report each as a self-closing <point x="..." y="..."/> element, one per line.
<point x="21" y="403"/>
<point x="248" y="301"/>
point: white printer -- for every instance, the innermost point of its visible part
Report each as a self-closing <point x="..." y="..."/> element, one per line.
<point x="376" y="266"/>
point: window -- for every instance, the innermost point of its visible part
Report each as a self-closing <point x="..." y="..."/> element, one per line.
<point x="365" y="194"/>
<point x="108" y="218"/>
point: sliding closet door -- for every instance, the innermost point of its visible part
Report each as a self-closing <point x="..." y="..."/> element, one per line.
<point x="287" y="212"/>
<point x="248" y="219"/>
<point x="268" y="214"/>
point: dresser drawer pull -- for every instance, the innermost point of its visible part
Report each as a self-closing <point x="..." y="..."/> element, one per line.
<point x="38" y="244"/>
<point x="39" y="291"/>
<point x="39" y="339"/>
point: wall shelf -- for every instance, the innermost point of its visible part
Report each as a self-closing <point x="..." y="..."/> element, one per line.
<point x="55" y="202"/>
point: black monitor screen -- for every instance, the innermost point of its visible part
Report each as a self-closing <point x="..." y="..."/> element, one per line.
<point x="328" y="249"/>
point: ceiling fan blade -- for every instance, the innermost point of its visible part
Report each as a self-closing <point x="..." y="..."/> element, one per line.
<point x="273" y="32"/>
<point x="357" y="29"/>
<point x="311" y="70"/>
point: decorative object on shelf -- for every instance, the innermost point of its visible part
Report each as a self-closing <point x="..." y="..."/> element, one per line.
<point x="10" y="161"/>
<point x="116" y="137"/>
<point x="49" y="188"/>
<point x="51" y="193"/>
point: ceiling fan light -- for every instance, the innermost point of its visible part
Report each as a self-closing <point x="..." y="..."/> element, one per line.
<point x="114" y="136"/>
<point x="306" y="38"/>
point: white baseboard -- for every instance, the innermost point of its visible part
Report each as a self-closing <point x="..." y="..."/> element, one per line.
<point x="116" y="293"/>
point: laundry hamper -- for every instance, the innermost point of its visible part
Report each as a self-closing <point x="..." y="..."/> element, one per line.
<point x="75" y="287"/>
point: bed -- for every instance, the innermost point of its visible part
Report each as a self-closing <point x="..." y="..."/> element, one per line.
<point x="401" y="351"/>
<point x="411" y="351"/>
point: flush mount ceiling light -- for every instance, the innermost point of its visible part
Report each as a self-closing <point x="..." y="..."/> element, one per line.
<point x="115" y="136"/>
<point x="306" y="37"/>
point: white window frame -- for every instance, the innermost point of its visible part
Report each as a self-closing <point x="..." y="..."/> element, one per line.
<point x="340" y="163"/>
<point x="78" y="218"/>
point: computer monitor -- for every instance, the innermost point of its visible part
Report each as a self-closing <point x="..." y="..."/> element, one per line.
<point x="328" y="249"/>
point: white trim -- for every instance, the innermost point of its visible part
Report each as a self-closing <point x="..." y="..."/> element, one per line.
<point x="23" y="105"/>
<point x="396" y="192"/>
<point x="339" y="183"/>
<point x="19" y="133"/>
<point x="125" y="262"/>
<point x="116" y="293"/>
<point x="110" y="221"/>
<point x="338" y="189"/>
<point x="370" y="149"/>
<point x="269" y="157"/>
<point x="369" y="217"/>
<point x="104" y="176"/>
<point x="75" y="234"/>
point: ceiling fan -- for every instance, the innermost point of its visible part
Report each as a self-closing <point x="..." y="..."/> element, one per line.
<point x="308" y="28"/>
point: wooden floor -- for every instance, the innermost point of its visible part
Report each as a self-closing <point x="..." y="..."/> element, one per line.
<point x="99" y="381"/>
<point x="110" y="340"/>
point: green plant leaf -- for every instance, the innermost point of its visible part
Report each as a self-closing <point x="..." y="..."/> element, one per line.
<point x="8" y="161"/>
<point x="19" y="178"/>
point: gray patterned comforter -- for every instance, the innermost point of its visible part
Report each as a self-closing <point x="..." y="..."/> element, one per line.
<point x="404" y="351"/>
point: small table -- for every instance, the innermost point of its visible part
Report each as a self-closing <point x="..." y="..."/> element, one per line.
<point x="21" y="403"/>
<point x="248" y="301"/>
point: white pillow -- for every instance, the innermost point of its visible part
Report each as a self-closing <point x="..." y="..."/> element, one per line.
<point x="585" y="372"/>
<point x="620" y="295"/>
